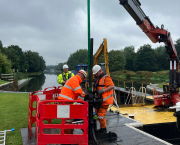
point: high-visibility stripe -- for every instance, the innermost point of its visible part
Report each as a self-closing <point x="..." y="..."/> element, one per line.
<point x="103" y="80"/>
<point x="72" y="88"/>
<point x="81" y="97"/>
<point x="65" y="96"/>
<point x="107" y="97"/>
<point x="77" y="88"/>
<point x="82" y="94"/>
<point x="100" y="117"/>
<point x="68" y="87"/>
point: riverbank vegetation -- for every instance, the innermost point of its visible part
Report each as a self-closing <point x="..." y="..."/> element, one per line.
<point x="3" y="82"/>
<point x="12" y="57"/>
<point x="14" y="114"/>
<point x="159" y="75"/>
<point x="145" y="58"/>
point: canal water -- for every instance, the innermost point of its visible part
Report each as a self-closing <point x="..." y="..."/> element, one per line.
<point x="48" y="80"/>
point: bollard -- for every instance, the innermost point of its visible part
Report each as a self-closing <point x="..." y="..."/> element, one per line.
<point x="17" y="74"/>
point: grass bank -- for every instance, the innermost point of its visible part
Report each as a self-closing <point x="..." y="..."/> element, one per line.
<point x="13" y="114"/>
<point x="22" y="75"/>
<point x="3" y="82"/>
<point x="160" y="75"/>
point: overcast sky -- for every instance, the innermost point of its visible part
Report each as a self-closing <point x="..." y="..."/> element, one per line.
<point x="57" y="28"/>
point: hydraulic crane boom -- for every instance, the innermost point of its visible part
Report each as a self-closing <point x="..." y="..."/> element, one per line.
<point x="157" y="34"/>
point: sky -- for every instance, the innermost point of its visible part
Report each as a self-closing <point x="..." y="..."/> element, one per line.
<point x="57" y="28"/>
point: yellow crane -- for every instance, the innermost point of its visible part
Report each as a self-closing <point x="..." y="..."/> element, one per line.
<point x="102" y="48"/>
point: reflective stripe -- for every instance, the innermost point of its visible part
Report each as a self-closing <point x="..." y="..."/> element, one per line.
<point x="107" y="97"/>
<point x="82" y="94"/>
<point x="68" y="87"/>
<point x="65" y="96"/>
<point x="103" y="81"/>
<point x="100" y="117"/>
<point x="72" y="88"/>
<point x="81" y="97"/>
<point x="77" y="88"/>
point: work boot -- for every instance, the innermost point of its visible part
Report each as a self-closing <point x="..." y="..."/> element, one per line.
<point x="102" y="130"/>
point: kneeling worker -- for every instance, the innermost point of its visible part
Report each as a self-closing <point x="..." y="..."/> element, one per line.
<point x="62" y="78"/>
<point x="104" y="85"/>
<point x="72" y="91"/>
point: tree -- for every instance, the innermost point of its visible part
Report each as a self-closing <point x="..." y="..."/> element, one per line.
<point x="177" y="46"/>
<point x="162" y="58"/>
<point x="5" y="64"/>
<point x="116" y="60"/>
<point x="129" y="56"/>
<point x="145" y="59"/>
<point x="79" y="57"/>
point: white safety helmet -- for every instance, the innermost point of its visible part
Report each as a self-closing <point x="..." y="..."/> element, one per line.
<point x="65" y="66"/>
<point x="83" y="72"/>
<point x="95" y="69"/>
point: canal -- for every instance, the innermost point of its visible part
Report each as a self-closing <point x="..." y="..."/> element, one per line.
<point x="48" y="80"/>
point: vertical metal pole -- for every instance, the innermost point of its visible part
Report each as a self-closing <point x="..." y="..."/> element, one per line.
<point x="89" y="51"/>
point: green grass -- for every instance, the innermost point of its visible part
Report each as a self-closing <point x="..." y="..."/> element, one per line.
<point x="3" y="82"/>
<point x="160" y="85"/>
<point x="13" y="114"/>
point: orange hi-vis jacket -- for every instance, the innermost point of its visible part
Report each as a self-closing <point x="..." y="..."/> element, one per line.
<point x="72" y="89"/>
<point x="104" y="82"/>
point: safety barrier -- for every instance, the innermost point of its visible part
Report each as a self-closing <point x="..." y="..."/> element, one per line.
<point x="49" y="110"/>
<point x="42" y="95"/>
<point x="46" y="106"/>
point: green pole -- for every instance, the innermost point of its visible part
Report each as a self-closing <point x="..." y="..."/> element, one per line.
<point x="89" y="51"/>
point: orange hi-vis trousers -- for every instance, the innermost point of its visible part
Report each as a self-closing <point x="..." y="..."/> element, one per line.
<point x="101" y="112"/>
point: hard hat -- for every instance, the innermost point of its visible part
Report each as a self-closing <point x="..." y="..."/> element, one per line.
<point x="95" y="69"/>
<point x="83" y="72"/>
<point x="65" y="66"/>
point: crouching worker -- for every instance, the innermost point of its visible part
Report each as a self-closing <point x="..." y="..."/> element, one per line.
<point x="72" y="91"/>
<point x="104" y="85"/>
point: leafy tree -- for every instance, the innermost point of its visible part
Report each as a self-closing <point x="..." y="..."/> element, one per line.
<point x="5" y="64"/>
<point x="177" y="46"/>
<point x="116" y="60"/>
<point x="79" y="57"/>
<point x="129" y="55"/>
<point x="162" y="56"/>
<point x="145" y="59"/>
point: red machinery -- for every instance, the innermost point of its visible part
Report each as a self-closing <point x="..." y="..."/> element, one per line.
<point x="157" y="34"/>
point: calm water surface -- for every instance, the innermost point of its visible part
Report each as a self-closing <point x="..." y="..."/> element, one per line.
<point x="48" y="80"/>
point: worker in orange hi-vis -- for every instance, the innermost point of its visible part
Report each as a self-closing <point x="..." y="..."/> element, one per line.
<point x="72" y="91"/>
<point x="104" y="85"/>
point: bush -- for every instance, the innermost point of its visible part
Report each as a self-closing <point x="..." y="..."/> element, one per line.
<point x="146" y="74"/>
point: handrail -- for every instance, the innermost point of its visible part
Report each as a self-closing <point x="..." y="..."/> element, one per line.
<point x="132" y="88"/>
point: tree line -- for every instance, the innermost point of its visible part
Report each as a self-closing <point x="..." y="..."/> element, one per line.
<point x="145" y="59"/>
<point x="12" y="57"/>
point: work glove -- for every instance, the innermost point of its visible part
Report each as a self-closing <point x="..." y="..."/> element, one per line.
<point x="100" y="91"/>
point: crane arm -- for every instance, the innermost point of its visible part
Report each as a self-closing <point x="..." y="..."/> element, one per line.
<point x="155" y="34"/>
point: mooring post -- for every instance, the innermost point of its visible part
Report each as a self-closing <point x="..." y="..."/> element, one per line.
<point x="124" y="91"/>
<point x="118" y="94"/>
<point x="17" y="74"/>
